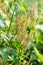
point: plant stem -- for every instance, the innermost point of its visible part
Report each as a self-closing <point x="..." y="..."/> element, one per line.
<point x="10" y="22"/>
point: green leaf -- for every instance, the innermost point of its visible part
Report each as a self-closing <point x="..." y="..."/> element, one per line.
<point x="10" y="4"/>
<point x="21" y="6"/>
<point x="38" y="54"/>
<point x="4" y="54"/>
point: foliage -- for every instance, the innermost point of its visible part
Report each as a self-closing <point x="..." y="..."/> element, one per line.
<point x="21" y="32"/>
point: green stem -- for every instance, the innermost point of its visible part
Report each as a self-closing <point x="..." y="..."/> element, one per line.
<point x="10" y="22"/>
